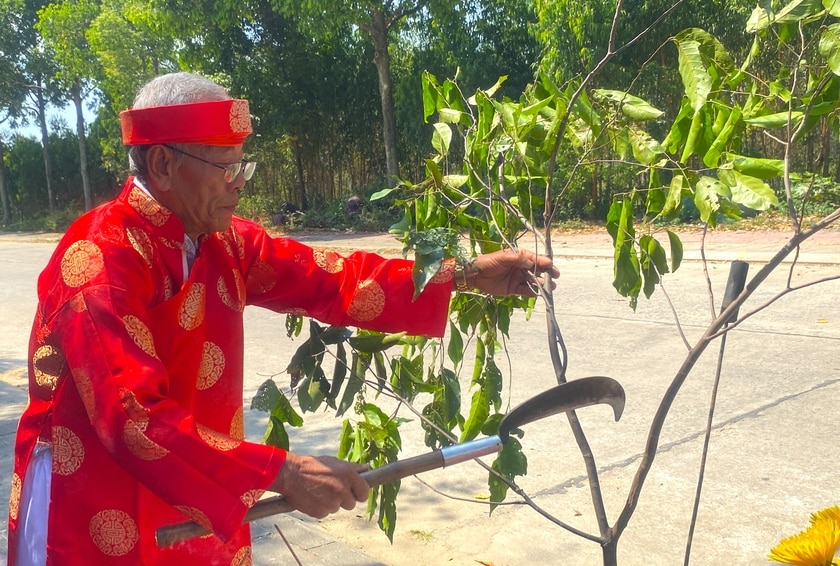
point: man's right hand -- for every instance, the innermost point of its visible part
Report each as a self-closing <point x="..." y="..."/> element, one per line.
<point x="320" y="485"/>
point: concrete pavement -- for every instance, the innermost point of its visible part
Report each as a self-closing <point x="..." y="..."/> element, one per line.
<point x="774" y="448"/>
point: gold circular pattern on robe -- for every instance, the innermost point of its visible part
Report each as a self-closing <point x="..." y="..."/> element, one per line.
<point x="216" y="439"/>
<point x="14" y="499"/>
<point x="237" y="424"/>
<point x="140" y="333"/>
<point x="84" y="386"/>
<point x="237" y="302"/>
<point x="47" y="364"/>
<point x="191" y="313"/>
<point x="68" y="451"/>
<point x="329" y="261"/>
<point x="212" y="366"/>
<point x="113" y="532"/>
<point x="445" y="273"/>
<point x="148" y="208"/>
<point x="81" y="262"/>
<point x="242" y="557"/>
<point x="250" y="497"/>
<point x="368" y="302"/>
<point x="142" y="244"/>
<point x="195" y="515"/>
<point x="141" y="445"/>
<point x="261" y="278"/>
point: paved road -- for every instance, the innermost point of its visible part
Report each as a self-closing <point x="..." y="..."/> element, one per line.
<point x="774" y="449"/>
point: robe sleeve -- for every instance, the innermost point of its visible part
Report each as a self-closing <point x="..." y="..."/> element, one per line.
<point x="362" y="289"/>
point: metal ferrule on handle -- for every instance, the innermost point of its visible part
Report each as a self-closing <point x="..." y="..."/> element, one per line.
<point x="470" y="450"/>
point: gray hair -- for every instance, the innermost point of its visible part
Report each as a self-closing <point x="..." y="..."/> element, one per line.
<point x="167" y="90"/>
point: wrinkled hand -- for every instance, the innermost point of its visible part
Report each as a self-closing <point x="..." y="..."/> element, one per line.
<point x="510" y="272"/>
<point x="320" y="485"/>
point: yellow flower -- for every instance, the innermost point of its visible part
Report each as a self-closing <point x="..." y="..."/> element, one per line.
<point x="829" y="514"/>
<point x="815" y="546"/>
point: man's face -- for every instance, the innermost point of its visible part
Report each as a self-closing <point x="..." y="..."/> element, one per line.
<point x="199" y="194"/>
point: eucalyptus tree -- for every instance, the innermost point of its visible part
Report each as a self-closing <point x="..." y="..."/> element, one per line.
<point x="42" y="90"/>
<point x="63" y="27"/>
<point x="130" y="49"/>
<point x="13" y="40"/>
<point x="380" y="19"/>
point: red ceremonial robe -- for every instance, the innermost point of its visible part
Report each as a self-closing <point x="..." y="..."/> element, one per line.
<point x="135" y="376"/>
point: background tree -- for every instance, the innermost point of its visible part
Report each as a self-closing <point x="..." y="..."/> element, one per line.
<point x="63" y="27"/>
<point x="13" y="42"/>
<point x="380" y="20"/>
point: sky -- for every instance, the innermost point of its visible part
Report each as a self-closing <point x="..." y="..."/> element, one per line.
<point x="67" y="114"/>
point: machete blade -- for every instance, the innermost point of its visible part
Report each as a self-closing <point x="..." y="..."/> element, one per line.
<point x="563" y="398"/>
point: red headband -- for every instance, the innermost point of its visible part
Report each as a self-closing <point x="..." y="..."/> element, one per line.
<point x="219" y="122"/>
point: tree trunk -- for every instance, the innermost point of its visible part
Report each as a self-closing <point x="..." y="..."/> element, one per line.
<point x="379" y="33"/>
<point x="825" y="150"/>
<point x="4" y="194"/>
<point x="76" y="91"/>
<point x="304" y="202"/>
<point x="42" y="120"/>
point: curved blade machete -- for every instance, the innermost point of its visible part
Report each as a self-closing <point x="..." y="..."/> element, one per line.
<point x="562" y="398"/>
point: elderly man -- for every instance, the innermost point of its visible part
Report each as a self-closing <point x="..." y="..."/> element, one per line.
<point x="135" y="418"/>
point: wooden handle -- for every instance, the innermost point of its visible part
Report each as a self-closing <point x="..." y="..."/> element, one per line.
<point x="170" y="534"/>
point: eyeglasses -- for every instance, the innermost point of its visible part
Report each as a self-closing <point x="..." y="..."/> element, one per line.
<point x="231" y="170"/>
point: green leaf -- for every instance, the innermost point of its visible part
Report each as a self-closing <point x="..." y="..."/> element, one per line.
<point x="646" y="150"/>
<point x="345" y="442"/>
<point x="442" y="138"/>
<point x="339" y="372"/>
<point x="833" y="7"/>
<point x="627" y="277"/>
<point x="797" y="10"/>
<point x="359" y="365"/>
<point x="673" y="200"/>
<point x="267" y="396"/>
<point x="696" y="79"/>
<point x="285" y="412"/>
<point x="676" y="250"/>
<point x="375" y="342"/>
<point x="383" y="193"/>
<point x="313" y="390"/>
<point x="451" y="394"/>
<point x="430" y="94"/>
<point x="631" y="106"/>
<point x="455" y="181"/>
<point x="759" y="20"/>
<point x="426" y="266"/>
<point x="726" y="132"/>
<point x="455" y="350"/>
<point x="450" y="116"/>
<point x="706" y="198"/>
<point x="510" y="462"/>
<point x="275" y="434"/>
<point x="776" y="120"/>
<point x="479" y="411"/>
<point x="830" y="46"/>
<point x="388" y="508"/>
<point x="752" y="192"/>
<point x="756" y="166"/>
<point x="401" y="227"/>
<point x="652" y="262"/>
